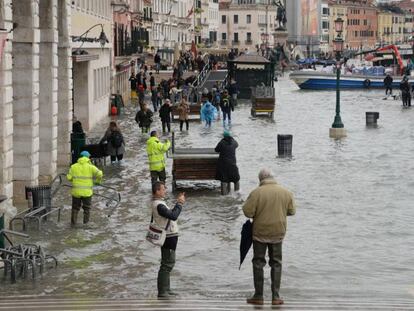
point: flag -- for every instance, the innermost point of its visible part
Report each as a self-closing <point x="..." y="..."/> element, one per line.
<point x="190" y="12"/>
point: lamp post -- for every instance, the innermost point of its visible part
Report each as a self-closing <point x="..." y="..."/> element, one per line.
<point x="338" y="130"/>
<point x="102" y="39"/>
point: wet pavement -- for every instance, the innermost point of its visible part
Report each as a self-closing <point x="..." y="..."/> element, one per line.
<point x="351" y="237"/>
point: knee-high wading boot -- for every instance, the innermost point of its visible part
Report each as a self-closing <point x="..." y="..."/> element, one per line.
<point x="169" y="291"/>
<point x="163" y="283"/>
<point x="74" y="217"/>
<point x="86" y="216"/>
<point x="258" y="277"/>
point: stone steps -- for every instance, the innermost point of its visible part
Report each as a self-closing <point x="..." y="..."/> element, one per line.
<point x="82" y="303"/>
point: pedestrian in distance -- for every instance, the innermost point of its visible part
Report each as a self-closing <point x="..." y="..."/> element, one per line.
<point x="165" y="217"/>
<point x="226" y="105"/>
<point x="156" y="156"/>
<point x="268" y="205"/>
<point x="165" y="115"/>
<point x="405" y="88"/>
<point x="227" y="170"/>
<point x="208" y="112"/>
<point x="157" y="62"/>
<point x="83" y="174"/>
<point x="144" y="118"/>
<point x="388" y="84"/>
<point x="115" y="142"/>
<point x="183" y="112"/>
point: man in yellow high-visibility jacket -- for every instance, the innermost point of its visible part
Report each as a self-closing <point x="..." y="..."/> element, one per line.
<point x="156" y="157"/>
<point x="82" y="175"/>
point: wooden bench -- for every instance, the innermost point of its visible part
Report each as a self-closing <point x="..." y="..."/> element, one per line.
<point x="194" y="164"/>
<point x="263" y="101"/>
<point x="194" y="111"/>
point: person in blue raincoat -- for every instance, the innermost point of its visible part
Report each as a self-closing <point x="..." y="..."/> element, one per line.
<point x="208" y="112"/>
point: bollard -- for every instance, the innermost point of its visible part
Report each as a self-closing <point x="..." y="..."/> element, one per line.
<point x="371" y="118"/>
<point x="284" y="145"/>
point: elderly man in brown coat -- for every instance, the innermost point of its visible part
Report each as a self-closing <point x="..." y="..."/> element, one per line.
<point x="268" y="205"/>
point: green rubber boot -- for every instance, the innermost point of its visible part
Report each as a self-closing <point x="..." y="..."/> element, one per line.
<point x="163" y="283"/>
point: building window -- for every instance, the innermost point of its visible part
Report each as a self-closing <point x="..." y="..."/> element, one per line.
<point x="325" y="25"/>
<point x="236" y="19"/>
<point x="248" y="19"/>
<point x="223" y="19"/>
<point x="223" y="36"/>
<point x="249" y="37"/>
<point x="236" y="37"/>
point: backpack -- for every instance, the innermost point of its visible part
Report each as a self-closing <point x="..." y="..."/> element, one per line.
<point x="226" y="102"/>
<point x="116" y="139"/>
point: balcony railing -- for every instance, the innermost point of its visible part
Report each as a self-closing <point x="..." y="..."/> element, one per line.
<point x="223" y="42"/>
<point x="248" y="42"/>
<point x="235" y="42"/>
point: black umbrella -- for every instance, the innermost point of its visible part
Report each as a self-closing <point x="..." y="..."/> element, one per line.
<point x="246" y="240"/>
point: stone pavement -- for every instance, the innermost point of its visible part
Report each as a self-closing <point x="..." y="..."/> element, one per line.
<point x="82" y="303"/>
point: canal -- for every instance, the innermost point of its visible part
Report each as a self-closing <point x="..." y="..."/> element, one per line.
<point x="351" y="237"/>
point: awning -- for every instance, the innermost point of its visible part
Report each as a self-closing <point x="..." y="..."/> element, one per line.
<point x="84" y="58"/>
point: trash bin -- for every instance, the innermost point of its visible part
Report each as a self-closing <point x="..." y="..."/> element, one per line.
<point x="77" y="142"/>
<point x="371" y="118"/>
<point x="284" y="145"/>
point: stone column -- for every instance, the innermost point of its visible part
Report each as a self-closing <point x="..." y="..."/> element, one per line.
<point x="48" y="107"/>
<point x="65" y="103"/>
<point x="6" y="104"/>
<point x="26" y="39"/>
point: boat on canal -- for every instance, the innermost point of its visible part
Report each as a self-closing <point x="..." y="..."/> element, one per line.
<point x="365" y="79"/>
<point x="314" y="80"/>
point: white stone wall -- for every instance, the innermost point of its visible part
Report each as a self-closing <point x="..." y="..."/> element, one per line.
<point x="65" y="85"/>
<point x="6" y="105"/>
<point x="26" y="39"/>
<point x="48" y="105"/>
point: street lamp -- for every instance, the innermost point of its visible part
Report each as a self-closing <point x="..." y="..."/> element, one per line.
<point x="102" y="39"/>
<point x="338" y="130"/>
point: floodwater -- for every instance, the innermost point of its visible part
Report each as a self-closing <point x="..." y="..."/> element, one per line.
<point x="352" y="235"/>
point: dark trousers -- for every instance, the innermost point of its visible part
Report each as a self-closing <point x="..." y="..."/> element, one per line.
<point x="226" y="115"/>
<point x="275" y="263"/>
<point x="168" y="124"/>
<point x="77" y="203"/>
<point x="406" y="99"/>
<point x="155" y="176"/>
<point x="388" y="88"/>
<point x="145" y="129"/>
<point x="117" y="157"/>
<point x="167" y="264"/>
<point x="182" y="123"/>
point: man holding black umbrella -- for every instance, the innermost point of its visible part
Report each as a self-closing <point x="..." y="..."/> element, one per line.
<point x="268" y="205"/>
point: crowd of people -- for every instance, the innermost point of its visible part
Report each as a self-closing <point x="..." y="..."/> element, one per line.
<point x="268" y="205"/>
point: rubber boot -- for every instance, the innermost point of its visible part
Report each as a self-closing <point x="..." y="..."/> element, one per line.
<point x="86" y="215"/>
<point x="169" y="291"/>
<point x="275" y="283"/>
<point x="237" y="186"/>
<point x="162" y="284"/>
<point x="74" y="217"/>
<point x="258" y="277"/>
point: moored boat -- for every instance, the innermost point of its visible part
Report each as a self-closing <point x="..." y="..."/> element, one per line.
<point x="313" y="80"/>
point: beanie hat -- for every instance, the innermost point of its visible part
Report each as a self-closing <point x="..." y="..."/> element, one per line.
<point x="226" y="133"/>
<point x="85" y="154"/>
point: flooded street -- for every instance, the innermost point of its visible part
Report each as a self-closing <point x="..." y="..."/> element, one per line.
<point x="351" y="237"/>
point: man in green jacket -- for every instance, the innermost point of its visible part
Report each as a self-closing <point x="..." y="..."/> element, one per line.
<point x="82" y="175"/>
<point x="268" y="205"/>
<point x="156" y="157"/>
